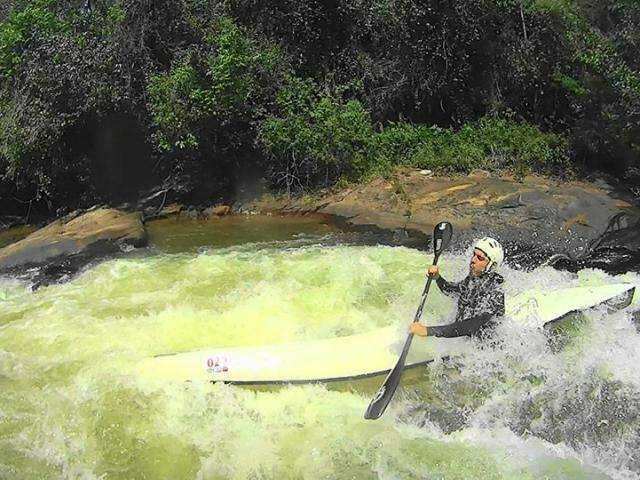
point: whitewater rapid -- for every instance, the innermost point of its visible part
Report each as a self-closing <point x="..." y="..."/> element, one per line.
<point x="528" y="407"/>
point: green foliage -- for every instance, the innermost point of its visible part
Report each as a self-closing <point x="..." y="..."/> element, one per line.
<point x="117" y="14"/>
<point x="178" y="101"/>
<point x="555" y="7"/>
<point x="561" y="8"/>
<point x="519" y="146"/>
<point x="489" y="143"/>
<point x="222" y="88"/>
<point x="597" y="53"/>
<point x="591" y="48"/>
<point x="34" y="17"/>
<point x="321" y="134"/>
<point x="236" y="63"/>
<point x="446" y="150"/>
<point x="570" y="84"/>
<point x="317" y="138"/>
<point x="398" y="143"/>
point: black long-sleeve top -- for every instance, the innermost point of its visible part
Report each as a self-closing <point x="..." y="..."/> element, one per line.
<point x="480" y="301"/>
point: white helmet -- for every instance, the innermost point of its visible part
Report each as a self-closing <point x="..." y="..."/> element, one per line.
<point x="493" y="250"/>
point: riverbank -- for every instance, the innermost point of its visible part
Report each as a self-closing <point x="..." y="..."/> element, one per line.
<point x="559" y="215"/>
<point x="537" y="216"/>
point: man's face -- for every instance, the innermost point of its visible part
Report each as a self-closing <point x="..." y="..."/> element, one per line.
<point x="479" y="262"/>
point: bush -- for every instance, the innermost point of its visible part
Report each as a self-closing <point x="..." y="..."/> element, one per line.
<point x="488" y="143"/>
<point x="398" y="143"/>
<point x="316" y="138"/>
<point x="319" y="138"/>
<point x="178" y="100"/>
<point x="237" y="66"/>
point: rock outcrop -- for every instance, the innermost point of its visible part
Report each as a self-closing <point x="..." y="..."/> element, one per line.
<point x="66" y="244"/>
<point x="559" y="216"/>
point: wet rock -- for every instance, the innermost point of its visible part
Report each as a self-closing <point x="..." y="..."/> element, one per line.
<point x="616" y="251"/>
<point x="151" y="213"/>
<point x="191" y="213"/>
<point x="544" y="215"/>
<point x="66" y="244"/>
<point x="478" y="172"/>
<point x="169" y="210"/>
<point x="626" y="235"/>
<point x="217" y="211"/>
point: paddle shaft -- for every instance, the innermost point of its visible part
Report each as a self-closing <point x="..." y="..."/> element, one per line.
<point x="407" y="342"/>
<point x="384" y="395"/>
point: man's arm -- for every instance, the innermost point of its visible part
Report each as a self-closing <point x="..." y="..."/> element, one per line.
<point x="448" y="288"/>
<point x="494" y="307"/>
<point x="462" y="329"/>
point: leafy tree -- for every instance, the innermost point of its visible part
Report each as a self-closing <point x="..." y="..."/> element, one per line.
<point x="227" y="82"/>
<point x="36" y="18"/>
<point x="308" y="92"/>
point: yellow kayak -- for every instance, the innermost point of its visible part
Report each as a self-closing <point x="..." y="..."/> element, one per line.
<point x="363" y="355"/>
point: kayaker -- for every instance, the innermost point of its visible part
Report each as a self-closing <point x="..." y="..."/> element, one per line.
<point x="480" y="294"/>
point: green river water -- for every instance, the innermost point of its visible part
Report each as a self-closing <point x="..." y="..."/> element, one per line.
<point x="72" y="407"/>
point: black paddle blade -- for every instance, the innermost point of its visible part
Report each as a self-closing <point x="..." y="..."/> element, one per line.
<point x="383" y="396"/>
<point x="441" y="236"/>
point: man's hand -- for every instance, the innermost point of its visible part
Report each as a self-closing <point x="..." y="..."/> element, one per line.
<point x="433" y="271"/>
<point x="418" y="329"/>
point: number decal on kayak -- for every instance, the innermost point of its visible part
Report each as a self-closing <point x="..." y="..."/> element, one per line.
<point x="217" y="364"/>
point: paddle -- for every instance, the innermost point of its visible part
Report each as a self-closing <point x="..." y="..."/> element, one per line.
<point x="441" y="237"/>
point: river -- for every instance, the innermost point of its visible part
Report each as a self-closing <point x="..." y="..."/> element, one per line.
<point x="562" y="405"/>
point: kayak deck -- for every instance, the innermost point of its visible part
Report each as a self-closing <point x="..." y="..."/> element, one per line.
<point x="357" y="356"/>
